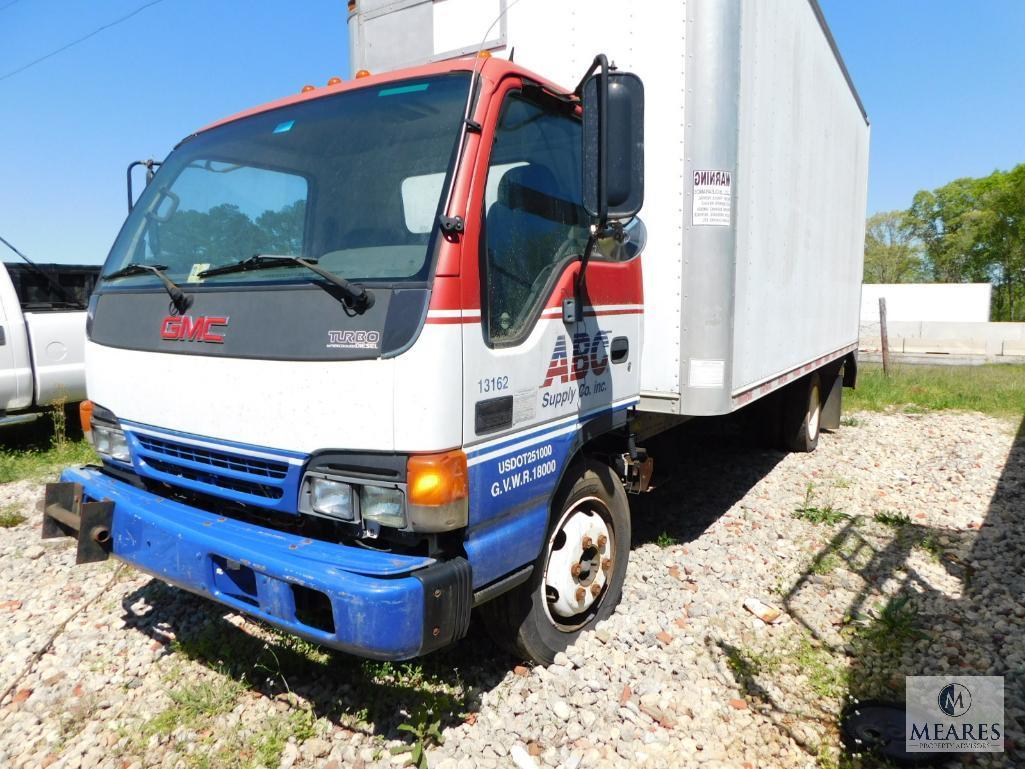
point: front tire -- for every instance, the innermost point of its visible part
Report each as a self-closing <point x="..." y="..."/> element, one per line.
<point x="578" y="576"/>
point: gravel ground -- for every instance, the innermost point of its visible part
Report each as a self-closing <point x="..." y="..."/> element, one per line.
<point x="681" y="675"/>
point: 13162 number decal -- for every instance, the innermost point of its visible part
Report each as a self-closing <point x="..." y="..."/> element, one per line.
<point x="493" y="384"/>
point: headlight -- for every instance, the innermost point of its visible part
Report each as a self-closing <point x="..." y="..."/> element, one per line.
<point x="332" y="498"/>
<point x="110" y="442"/>
<point x="383" y="505"/>
<point x="433" y="498"/>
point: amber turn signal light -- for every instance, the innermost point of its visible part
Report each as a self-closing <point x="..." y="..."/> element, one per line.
<point x="85" y="416"/>
<point x="437" y="491"/>
<point x="437" y="479"/>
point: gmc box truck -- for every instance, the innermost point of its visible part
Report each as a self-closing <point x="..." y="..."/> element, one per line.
<point x="373" y="355"/>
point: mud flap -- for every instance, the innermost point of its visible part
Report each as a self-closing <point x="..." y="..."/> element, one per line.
<point x="65" y="514"/>
<point x="830" y="418"/>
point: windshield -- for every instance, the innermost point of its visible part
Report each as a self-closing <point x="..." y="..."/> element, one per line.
<point x="354" y="180"/>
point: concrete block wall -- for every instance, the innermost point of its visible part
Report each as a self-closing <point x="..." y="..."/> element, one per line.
<point x="947" y="338"/>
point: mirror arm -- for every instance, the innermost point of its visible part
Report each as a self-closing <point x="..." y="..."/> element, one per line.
<point x="150" y="164"/>
<point x="612" y="229"/>
<point x="600" y="61"/>
<point x="592" y="242"/>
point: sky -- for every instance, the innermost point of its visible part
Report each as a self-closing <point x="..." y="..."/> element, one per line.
<point x="943" y="82"/>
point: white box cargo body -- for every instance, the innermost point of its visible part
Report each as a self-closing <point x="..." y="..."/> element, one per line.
<point x="756" y="155"/>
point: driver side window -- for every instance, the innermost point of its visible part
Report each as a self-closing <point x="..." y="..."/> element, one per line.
<point x="534" y="218"/>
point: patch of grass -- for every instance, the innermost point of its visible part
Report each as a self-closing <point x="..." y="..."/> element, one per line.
<point x="894" y="520"/>
<point x="192" y="703"/>
<point x="267" y="745"/>
<point x="992" y="389"/>
<point x="663" y="540"/>
<point x="10" y="517"/>
<point x="930" y="544"/>
<point x="34" y="463"/>
<point x="424" y="727"/>
<point x="748" y="664"/>
<point x="826" y="676"/>
<point x="813" y="513"/>
<point x="850" y="421"/>
<point x="825" y="564"/>
<point x="888" y="626"/>
<point x="240" y="655"/>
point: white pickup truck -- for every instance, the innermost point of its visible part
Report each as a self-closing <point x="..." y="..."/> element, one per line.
<point x="42" y="337"/>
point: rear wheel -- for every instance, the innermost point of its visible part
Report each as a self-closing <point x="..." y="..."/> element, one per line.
<point x="802" y="414"/>
<point x="578" y="576"/>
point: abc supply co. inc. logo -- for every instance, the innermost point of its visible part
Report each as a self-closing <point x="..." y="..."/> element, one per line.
<point x="954" y="715"/>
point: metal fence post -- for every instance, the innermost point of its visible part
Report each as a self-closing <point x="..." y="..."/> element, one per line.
<point x="883" y="337"/>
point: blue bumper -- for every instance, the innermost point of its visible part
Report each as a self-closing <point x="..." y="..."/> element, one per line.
<point x="374" y="604"/>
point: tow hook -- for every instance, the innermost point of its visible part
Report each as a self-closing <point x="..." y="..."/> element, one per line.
<point x="66" y="514"/>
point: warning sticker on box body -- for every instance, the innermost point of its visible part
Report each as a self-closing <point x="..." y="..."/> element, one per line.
<point x="713" y="198"/>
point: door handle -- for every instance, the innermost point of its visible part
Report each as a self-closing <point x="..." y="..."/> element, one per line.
<point x="619" y="350"/>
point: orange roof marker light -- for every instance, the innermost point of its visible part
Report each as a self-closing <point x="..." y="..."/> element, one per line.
<point x="334" y="81"/>
<point x="363" y="73"/>
<point x="307" y="89"/>
<point x="484" y="54"/>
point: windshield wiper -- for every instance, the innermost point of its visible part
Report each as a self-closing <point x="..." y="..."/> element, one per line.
<point x="357" y="297"/>
<point x="179" y="298"/>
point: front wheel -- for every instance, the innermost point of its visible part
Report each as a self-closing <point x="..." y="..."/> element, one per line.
<point x="578" y="576"/>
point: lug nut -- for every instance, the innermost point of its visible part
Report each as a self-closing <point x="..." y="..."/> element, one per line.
<point x="586" y="544"/>
<point x="595" y="589"/>
<point x="602" y="541"/>
<point x="580" y="594"/>
<point x="606" y="564"/>
<point x="575" y="570"/>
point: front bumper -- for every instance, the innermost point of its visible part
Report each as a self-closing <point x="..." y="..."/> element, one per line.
<point x="378" y="605"/>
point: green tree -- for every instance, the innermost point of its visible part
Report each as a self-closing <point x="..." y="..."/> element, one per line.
<point x="892" y="252"/>
<point x="225" y="234"/>
<point x="283" y="229"/>
<point x="973" y="230"/>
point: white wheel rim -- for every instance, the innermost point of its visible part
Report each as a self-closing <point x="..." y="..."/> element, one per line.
<point x="580" y="559"/>
<point x="815" y="413"/>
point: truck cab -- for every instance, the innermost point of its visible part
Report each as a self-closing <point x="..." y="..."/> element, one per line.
<point x="361" y="460"/>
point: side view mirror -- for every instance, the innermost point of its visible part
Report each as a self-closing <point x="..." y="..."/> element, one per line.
<point x="613" y="142"/>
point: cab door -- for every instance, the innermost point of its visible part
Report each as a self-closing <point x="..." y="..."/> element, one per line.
<point x="537" y="379"/>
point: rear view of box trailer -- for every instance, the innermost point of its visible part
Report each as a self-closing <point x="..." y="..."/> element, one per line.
<point x="756" y="164"/>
